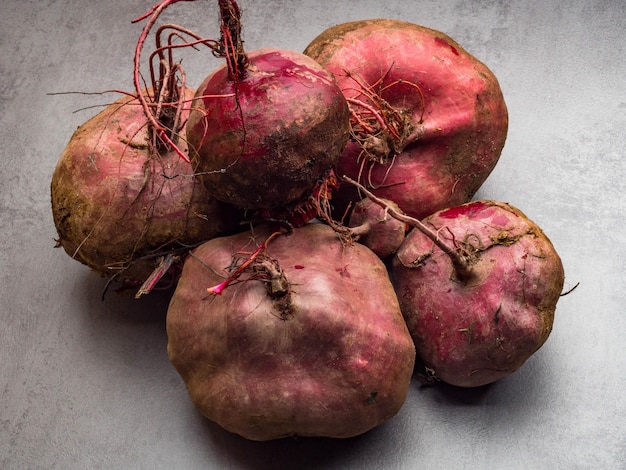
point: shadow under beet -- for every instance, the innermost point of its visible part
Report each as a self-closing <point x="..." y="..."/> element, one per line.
<point x="298" y="452"/>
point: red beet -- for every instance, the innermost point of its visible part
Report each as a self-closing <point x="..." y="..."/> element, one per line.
<point x="428" y="119"/>
<point x="267" y="126"/>
<point x="124" y="198"/>
<point x="119" y="206"/>
<point x="477" y="324"/>
<point x="309" y="340"/>
<point x="375" y="228"/>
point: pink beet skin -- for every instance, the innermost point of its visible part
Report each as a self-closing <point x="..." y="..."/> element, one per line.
<point x="477" y="330"/>
<point x="274" y="133"/>
<point x="328" y="356"/>
<point x="117" y="203"/>
<point x="456" y="119"/>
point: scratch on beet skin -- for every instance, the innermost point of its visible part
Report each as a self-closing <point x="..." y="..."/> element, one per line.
<point x="441" y="42"/>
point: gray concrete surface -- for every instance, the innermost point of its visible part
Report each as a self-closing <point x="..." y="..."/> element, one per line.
<point x="86" y="384"/>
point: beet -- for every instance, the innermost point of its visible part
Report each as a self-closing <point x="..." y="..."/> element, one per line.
<point x="119" y="206"/>
<point x="375" y="228"/>
<point x="429" y="120"/>
<point x="267" y="125"/>
<point x="475" y="325"/>
<point x="309" y="340"/>
<point x="125" y="200"/>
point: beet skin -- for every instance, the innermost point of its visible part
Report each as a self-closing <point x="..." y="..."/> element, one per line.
<point x="264" y="141"/>
<point x="117" y="204"/>
<point x="451" y="117"/>
<point x="329" y="356"/>
<point x="473" y="331"/>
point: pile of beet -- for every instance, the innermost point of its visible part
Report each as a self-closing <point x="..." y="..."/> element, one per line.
<point x="312" y="213"/>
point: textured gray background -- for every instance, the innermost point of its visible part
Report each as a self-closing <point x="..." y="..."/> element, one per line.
<point x="86" y="384"/>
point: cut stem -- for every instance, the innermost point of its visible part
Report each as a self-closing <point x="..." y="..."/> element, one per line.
<point x="460" y="264"/>
<point x="248" y="263"/>
<point x="219" y="288"/>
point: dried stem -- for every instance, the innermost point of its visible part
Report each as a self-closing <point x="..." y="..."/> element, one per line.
<point x="159" y="130"/>
<point x="163" y="49"/>
<point x="461" y="266"/>
<point x="232" y="43"/>
<point x="381" y="129"/>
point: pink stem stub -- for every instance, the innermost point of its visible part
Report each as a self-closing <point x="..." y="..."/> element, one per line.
<point x="219" y="288"/>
